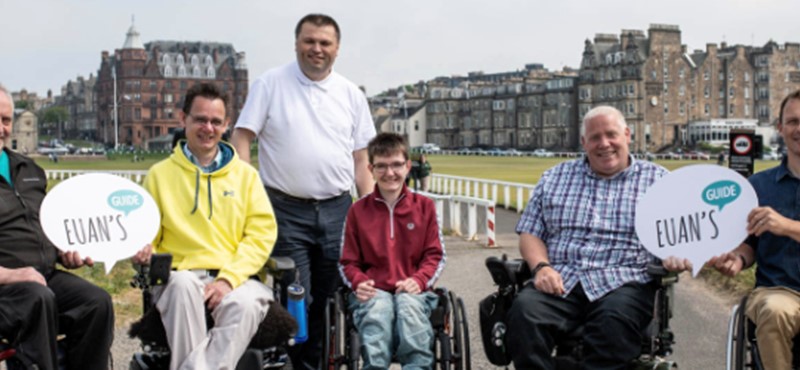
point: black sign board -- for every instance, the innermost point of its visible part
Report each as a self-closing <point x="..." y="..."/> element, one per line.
<point x="742" y="151"/>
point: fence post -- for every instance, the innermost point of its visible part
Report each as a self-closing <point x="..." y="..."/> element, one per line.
<point x="506" y="196"/>
<point x="519" y="199"/>
<point x="494" y="193"/>
<point x="472" y="221"/>
<point x="490" y="224"/>
<point x="455" y="217"/>
<point x="485" y="190"/>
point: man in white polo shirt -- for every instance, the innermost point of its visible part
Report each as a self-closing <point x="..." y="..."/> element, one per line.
<point x="313" y="126"/>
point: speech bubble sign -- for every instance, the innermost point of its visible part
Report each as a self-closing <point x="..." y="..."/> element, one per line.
<point x="100" y="215"/>
<point x="696" y="212"/>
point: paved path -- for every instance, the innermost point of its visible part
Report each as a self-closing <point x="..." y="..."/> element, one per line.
<point x="700" y="320"/>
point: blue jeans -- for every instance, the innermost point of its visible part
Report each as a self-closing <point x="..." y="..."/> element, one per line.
<point x="396" y="324"/>
<point x="311" y="234"/>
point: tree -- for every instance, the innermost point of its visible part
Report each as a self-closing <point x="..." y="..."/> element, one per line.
<point x="55" y="115"/>
<point x="22" y="104"/>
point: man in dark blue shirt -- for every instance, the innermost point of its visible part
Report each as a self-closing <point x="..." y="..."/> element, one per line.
<point x="774" y="228"/>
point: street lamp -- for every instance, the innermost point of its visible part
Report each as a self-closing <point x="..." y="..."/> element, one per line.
<point x="116" y="118"/>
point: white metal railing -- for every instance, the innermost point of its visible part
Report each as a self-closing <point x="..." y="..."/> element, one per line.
<point x="514" y="194"/>
<point x="454" y="204"/>
<point x="136" y="176"/>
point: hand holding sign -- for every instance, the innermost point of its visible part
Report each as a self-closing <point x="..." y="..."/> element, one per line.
<point x="102" y="217"/>
<point x="696" y="212"/>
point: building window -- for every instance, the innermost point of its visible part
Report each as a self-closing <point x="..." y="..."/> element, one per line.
<point x="196" y="72"/>
<point x="706" y="92"/>
<point x="721" y="92"/>
<point x="705" y="74"/>
<point x="747" y="76"/>
<point x="666" y="107"/>
<point x="209" y="61"/>
<point x="721" y="109"/>
<point x="681" y="72"/>
<point x="747" y="110"/>
<point x="722" y="76"/>
<point x="706" y="109"/>
<point x="195" y="60"/>
<point x="730" y="92"/>
<point x="682" y="108"/>
<point x="181" y="71"/>
<point x="167" y="98"/>
<point x="730" y="109"/>
<point x="730" y="75"/>
<point x="211" y="73"/>
<point x="153" y="86"/>
<point x="682" y="90"/>
<point x="165" y="59"/>
<point x="167" y="71"/>
<point x="746" y="92"/>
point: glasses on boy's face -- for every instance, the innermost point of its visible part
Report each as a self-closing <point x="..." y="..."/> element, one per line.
<point x="382" y="167"/>
<point x="202" y="120"/>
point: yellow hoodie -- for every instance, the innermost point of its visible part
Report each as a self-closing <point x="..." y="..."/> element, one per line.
<point x="220" y="220"/>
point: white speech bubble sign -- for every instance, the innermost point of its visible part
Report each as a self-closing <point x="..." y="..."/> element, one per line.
<point x="696" y="212"/>
<point x="102" y="216"/>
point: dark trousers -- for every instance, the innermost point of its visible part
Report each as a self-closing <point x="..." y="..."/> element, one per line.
<point x="612" y="325"/>
<point x="311" y="234"/>
<point x="32" y="315"/>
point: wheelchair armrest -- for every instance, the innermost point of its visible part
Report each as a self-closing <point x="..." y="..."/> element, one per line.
<point x="280" y="264"/>
<point x="661" y="275"/>
<point x="160" y="268"/>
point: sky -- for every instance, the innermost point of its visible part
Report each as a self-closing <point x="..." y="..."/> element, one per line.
<point x="385" y="44"/>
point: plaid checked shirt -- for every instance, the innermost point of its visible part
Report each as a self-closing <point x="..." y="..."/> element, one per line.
<point x="587" y="224"/>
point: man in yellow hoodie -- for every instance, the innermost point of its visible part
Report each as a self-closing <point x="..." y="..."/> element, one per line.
<point x="218" y="224"/>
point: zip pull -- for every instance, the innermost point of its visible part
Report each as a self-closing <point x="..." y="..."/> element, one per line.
<point x="21" y="200"/>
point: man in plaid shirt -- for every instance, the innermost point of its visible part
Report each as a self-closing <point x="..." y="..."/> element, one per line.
<point x="577" y="236"/>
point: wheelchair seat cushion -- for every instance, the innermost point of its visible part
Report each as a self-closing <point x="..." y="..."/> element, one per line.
<point x="276" y="329"/>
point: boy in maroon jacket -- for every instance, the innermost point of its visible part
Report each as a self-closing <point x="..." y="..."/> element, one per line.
<point x="392" y="256"/>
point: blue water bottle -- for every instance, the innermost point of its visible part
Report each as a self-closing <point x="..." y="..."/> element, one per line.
<point x="296" y="305"/>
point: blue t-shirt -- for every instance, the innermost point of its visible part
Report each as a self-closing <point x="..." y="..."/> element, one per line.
<point x="778" y="257"/>
<point x="5" y="170"/>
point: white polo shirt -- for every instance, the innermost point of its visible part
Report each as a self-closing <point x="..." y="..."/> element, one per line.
<point x="307" y="130"/>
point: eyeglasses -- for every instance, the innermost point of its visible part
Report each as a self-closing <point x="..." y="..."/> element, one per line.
<point x="200" y="120"/>
<point x="382" y="167"/>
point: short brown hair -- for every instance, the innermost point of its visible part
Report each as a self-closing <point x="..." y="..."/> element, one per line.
<point x="207" y="90"/>
<point x="794" y="95"/>
<point x="386" y="144"/>
<point x="318" y="20"/>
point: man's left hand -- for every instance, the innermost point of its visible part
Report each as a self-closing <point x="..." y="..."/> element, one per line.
<point x="216" y="291"/>
<point x="408" y="285"/>
<point x="763" y="219"/>
<point x="73" y="260"/>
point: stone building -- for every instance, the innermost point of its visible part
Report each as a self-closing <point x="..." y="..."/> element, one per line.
<point x="78" y="98"/>
<point x="660" y="87"/>
<point x="24" y="132"/>
<point x="537" y="110"/>
<point x="151" y="80"/>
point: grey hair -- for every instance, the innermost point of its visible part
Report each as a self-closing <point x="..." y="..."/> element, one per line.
<point x="603" y="110"/>
<point x="10" y="98"/>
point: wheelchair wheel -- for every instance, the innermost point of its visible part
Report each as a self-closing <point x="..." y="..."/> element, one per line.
<point x="738" y="351"/>
<point x="460" y="353"/>
<point x="334" y="325"/>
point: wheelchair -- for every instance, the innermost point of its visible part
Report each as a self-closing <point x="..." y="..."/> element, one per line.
<point x="342" y="345"/>
<point x="510" y="277"/>
<point x="156" y="355"/>
<point x="742" y="347"/>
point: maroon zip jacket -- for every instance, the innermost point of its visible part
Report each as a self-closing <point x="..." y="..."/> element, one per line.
<point x="389" y="244"/>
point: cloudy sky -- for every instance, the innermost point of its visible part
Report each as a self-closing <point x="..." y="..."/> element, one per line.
<point x="44" y="43"/>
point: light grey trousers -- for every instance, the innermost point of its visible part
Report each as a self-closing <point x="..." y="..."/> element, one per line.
<point x="236" y="320"/>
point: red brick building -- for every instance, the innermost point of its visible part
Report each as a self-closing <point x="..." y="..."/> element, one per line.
<point x="151" y="80"/>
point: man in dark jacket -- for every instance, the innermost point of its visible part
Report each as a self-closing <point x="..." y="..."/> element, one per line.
<point x="39" y="301"/>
